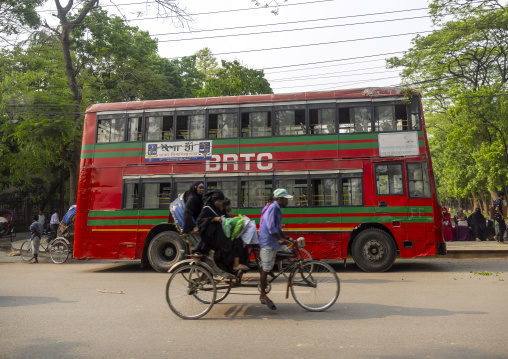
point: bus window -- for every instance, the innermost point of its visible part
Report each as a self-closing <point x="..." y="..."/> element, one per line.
<point x="290" y="122"/>
<point x="325" y="192"/>
<point x="322" y="121"/>
<point x="159" y="127"/>
<point x="355" y="119"/>
<point x="297" y="188"/>
<point x="415" y="114"/>
<point x="389" y="179"/>
<point x="222" y="125"/>
<point x="111" y="129"/>
<point x="130" y="195"/>
<point x="183" y="185"/>
<point x="390" y="118"/>
<point x="156" y="195"/>
<point x="254" y="193"/>
<point x="229" y="188"/>
<point x="352" y="190"/>
<point x="418" y="180"/>
<point x="134" y="129"/>
<point x="190" y="127"/>
<point x="256" y="124"/>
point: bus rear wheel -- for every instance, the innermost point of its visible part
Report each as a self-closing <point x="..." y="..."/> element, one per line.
<point x="373" y="250"/>
<point x="165" y="249"/>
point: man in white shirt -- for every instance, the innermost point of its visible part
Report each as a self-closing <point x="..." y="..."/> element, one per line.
<point x="54" y="222"/>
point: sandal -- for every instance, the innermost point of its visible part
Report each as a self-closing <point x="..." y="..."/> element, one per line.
<point x="241" y="267"/>
<point x="269" y="304"/>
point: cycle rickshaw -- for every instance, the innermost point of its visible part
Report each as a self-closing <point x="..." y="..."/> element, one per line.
<point x="58" y="244"/>
<point x="195" y="285"/>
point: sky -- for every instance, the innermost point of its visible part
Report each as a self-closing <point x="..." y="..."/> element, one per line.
<point x="311" y="45"/>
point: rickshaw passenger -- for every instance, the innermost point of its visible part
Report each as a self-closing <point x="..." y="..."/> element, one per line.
<point x="212" y="235"/>
<point x="193" y="204"/>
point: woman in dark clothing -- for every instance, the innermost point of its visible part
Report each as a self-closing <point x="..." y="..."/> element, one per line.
<point x="478" y="223"/>
<point x="212" y="235"/>
<point x="193" y="199"/>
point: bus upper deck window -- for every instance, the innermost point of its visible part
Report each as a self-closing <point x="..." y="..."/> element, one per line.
<point x="189" y="127"/>
<point x="322" y="121"/>
<point x="256" y="124"/>
<point x="222" y="125"/>
<point x="134" y="129"/>
<point x="159" y="127"/>
<point x="390" y="118"/>
<point x="355" y="119"/>
<point x="415" y="114"/>
<point x="290" y="123"/>
<point x="111" y="129"/>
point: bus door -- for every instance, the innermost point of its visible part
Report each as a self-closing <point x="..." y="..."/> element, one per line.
<point x="420" y="209"/>
<point x="390" y="199"/>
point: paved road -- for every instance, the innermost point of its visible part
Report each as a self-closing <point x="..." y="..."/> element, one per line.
<point x="444" y="308"/>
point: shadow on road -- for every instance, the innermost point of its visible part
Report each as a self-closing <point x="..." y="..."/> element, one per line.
<point x="20" y="301"/>
<point x="340" y="311"/>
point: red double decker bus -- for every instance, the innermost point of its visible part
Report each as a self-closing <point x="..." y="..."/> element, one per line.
<point x="356" y="161"/>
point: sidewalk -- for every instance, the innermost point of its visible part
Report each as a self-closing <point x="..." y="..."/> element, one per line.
<point x="490" y="249"/>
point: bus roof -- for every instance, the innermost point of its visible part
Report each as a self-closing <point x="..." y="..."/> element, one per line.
<point x="368" y="92"/>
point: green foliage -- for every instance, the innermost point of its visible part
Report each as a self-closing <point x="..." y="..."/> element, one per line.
<point x="233" y="79"/>
<point x="36" y="120"/>
<point x="15" y="14"/>
<point x="461" y="70"/>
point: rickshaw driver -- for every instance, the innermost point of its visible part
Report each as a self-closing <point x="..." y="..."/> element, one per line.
<point x="270" y="239"/>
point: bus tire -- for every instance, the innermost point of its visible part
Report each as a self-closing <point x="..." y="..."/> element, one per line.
<point x="165" y="249"/>
<point x="373" y="250"/>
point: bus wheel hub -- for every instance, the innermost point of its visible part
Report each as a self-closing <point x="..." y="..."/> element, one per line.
<point x="373" y="251"/>
<point x="169" y="252"/>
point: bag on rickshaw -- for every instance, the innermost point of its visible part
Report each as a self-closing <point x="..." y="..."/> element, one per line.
<point x="66" y="227"/>
<point x="176" y="208"/>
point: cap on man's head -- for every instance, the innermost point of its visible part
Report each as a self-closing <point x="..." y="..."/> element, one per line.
<point x="281" y="192"/>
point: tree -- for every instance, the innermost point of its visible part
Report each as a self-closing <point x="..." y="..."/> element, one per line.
<point x="36" y="118"/>
<point x="461" y="68"/>
<point x="233" y="79"/>
<point x="68" y="22"/>
<point x="16" y="16"/>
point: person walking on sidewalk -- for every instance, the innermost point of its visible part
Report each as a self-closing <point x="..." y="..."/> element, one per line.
<point x="54" y="222"/>
<point x="499" y="217"/>
<point x="36" y="229"/>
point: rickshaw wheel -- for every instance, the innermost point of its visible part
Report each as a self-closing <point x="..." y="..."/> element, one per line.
<point x="191" y="292"/>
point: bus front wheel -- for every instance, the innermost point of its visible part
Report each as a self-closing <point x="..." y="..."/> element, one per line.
<point x="373" y="250"/>
<point x="165" y="249"/>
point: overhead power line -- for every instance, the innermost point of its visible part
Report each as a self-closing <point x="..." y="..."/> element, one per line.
<point x="212" y="12"/>
<point x="291" y="30"/>
<point x="295" y="22"/>
<point x="307" y="45"/>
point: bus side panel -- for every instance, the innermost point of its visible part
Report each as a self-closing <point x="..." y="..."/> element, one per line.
<point x="323" y="245"/>
<point x="82" y="207"/>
